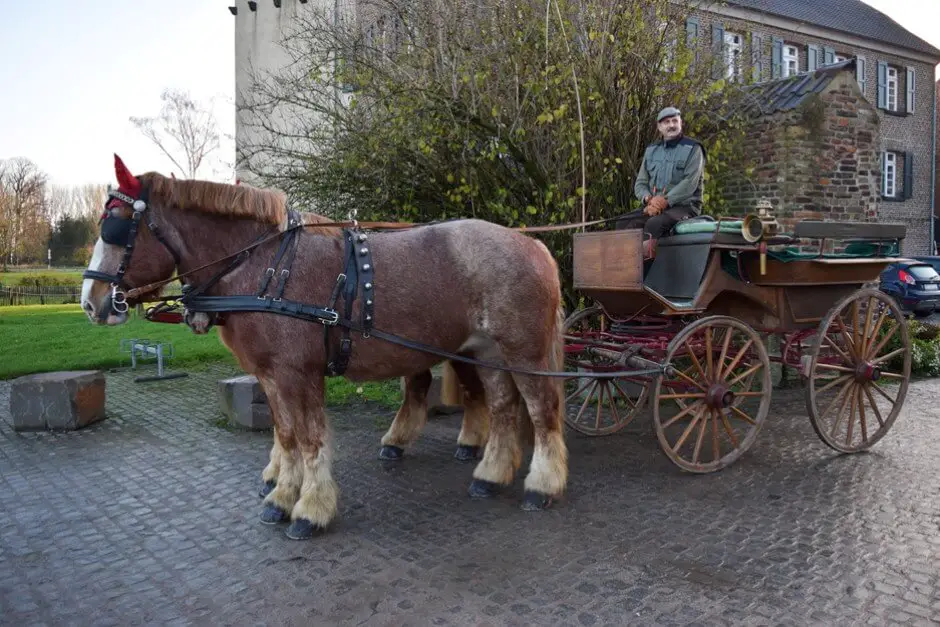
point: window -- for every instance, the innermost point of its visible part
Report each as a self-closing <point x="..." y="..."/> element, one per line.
<point x="889" y="174"/>
<point x="791" y="61"/>
<point x="733" y="45"/>
<point x="840" y="58"/>
<point x="892" y="89"/>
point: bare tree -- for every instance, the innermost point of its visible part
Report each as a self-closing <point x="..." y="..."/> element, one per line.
<point x="24" y="220"/>
<point x="185" y="131"/>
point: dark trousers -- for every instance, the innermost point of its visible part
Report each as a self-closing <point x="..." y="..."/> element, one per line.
<point x="656" y="226"/>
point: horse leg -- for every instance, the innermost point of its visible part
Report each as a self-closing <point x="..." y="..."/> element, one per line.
<point x="460" y="384"/>
<point x="302" y="399"/>
<point x="502" y="455"/>
<point x="270" y="472"/>
<point x="548" y="471"/>
<point x="410" y="419"/>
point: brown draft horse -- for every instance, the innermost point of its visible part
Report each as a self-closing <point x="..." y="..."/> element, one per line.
<point x="466" y="286"/>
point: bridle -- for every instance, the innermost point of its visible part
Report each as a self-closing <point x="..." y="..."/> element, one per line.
<point x="120" y="231"/>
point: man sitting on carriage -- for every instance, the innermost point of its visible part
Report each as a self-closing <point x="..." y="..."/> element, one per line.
<point x="670" y="181"/>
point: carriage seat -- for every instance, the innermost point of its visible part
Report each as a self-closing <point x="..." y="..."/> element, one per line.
<point x="703" y="230"/>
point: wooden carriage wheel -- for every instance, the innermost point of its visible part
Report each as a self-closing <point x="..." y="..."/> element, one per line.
<point x="598" y="406"/>
<point x="709" y="408"/>
<point x="858" y="371"/>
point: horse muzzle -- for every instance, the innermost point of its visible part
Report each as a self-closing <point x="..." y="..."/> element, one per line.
<point x="110" y="310"/>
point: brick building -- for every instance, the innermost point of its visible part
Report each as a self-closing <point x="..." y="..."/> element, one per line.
<point x="812" y="148"/>
<point x="761" y="40"/>
<point x="766" y="40"/>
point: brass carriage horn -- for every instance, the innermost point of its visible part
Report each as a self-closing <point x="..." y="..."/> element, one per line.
<point x="757" y="226"/>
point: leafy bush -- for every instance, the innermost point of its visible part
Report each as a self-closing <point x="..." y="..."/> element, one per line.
<point x="925" y="349"/>
<point x="44" y="280"/>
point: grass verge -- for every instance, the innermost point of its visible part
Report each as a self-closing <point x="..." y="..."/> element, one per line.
<point x="45" y="338"/>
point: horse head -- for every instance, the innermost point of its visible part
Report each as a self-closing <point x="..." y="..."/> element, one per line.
<point x="130" y="251"/>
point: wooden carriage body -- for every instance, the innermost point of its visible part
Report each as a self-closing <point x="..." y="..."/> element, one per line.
<point x="720" y="273"/>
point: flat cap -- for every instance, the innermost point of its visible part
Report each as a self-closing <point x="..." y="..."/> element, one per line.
<point x="668" y="112"/>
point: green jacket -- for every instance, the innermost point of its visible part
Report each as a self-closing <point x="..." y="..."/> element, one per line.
<point x="678" y="166"/>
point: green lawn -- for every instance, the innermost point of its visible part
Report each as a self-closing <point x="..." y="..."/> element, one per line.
<point x="45" y="338"/>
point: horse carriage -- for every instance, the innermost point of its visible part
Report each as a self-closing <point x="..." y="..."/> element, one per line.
<point x="705" y="310"/>
<point x="685" y="331"/>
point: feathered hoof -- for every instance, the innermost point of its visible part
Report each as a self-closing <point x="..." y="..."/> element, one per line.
<point x="467" y="453"/>
<point x="267" y="487"/>
<point x="482" y="489"/>
<point x="303" y="529"/>
<point x="536" y="501"/>
<point x="273" y="515"/>
<point x="391" y="453"/>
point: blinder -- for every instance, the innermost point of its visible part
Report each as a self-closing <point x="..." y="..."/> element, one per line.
<point x="119" y="231"/>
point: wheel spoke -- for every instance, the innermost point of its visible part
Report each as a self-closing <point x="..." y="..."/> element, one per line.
<point x="742" y="415"/>
<point x="600" y="405"/>
<point x="842" y="354"/>
<point x="626" y="396"/>
<point x="691" y="380"/>
<point x="855" y="325"/>
<point x="851" y="425"/>
<point x="893" y="353"/>
<point x="736" y="394"/>
<point x="696" y="362"/>
<point x="729" y="430"/>
<point x="834" y="367"/>
<point x="834" y="382"/>
<point x="874" y="406"/>
<point x="861" y="415"/>
<point x="716" y="445"/>
<point x="710" y="358"/>
<point x="688" y="430"/>
<point x="737" y="358"/>
<point x="850" y="387"/>
<point x="587" y="400"/>
<point x="613" y="403"/>
<point x="579" y="390"/>
<point x="848" y="341"/>
<point x="868" y="312"/>
<point x="892" y="375"/>
<point x="842" y="391"/>
<point x="750" y="370"/>
<point x="682" y="413"/>
<point x="724" y="352"/>
<point x="885" y="339"/>
<point x="701" y="438"/>
<point x="881" y="391"/>
<point x="882" y="316"/>
<point x="687" y="395"/>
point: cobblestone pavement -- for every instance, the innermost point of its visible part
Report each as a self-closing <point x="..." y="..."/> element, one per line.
<point x="150" y="517"/>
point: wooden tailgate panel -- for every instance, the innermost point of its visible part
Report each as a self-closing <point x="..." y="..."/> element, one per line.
<point x="610" y="260"/>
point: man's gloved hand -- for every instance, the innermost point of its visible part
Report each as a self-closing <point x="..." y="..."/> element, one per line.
<point x="656" y="205"/>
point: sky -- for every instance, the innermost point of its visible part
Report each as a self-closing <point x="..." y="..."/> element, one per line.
<point x="74" y="72"/>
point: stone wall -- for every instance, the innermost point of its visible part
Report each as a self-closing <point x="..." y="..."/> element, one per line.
<point x="818" y="161"/>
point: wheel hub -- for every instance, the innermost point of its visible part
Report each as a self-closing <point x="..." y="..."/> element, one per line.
<point x="719" y="396"/>
<point x="867" y="371"/>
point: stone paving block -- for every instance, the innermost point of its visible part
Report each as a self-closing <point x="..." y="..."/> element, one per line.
<point x="244" y="403"/>
<point x="58" y="401"/>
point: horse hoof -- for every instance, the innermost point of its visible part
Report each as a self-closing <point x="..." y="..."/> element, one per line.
<point x="391" y="453"/>
<point x="267" y="487"/>
<point x="536" y="501"/>
<point x="482" y="489"/>
<point x="302" y="529"/>
<point x="272" y="514"/>
<point x="467" y="453"/>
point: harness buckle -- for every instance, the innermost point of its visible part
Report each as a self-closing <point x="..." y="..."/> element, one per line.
<point x="329" y="318"/>
<point x="118" y="299"/>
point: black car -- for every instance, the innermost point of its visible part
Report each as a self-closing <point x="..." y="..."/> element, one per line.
<point x="914" y="284"/>
<point x="933" y="261"/>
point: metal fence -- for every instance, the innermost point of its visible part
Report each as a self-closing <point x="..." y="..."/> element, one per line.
<point x="32" y="295"/>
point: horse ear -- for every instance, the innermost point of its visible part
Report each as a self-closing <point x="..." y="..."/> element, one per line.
<point x="127" y="182"/>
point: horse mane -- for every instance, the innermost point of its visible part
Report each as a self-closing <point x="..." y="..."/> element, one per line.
<point x="237" y="201"/>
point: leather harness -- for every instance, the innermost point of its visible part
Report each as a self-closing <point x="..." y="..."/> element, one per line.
<point x="358" y="274"/>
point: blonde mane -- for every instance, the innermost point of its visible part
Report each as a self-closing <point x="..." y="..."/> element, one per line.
<point x="239" y="201"/>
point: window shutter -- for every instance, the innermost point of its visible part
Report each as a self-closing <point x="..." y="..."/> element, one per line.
<point x="861" y="69"/>
<point x="776" y="58"/>
<point x="691" y="35"/>
<point x="829" y="55"/>
<point x="884" y="174"/>
<point x="911" y="89"/>
<point x="718" y="49"/>
<point x="757" y="56"/>
<point x="882" y="85"/>
<point x="812" y="58"/>
<point x="908" y="175"/>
